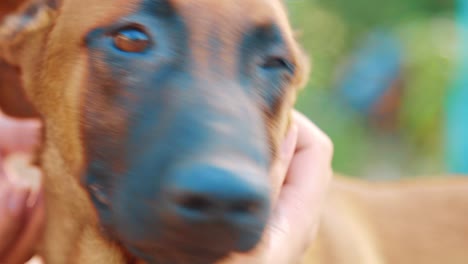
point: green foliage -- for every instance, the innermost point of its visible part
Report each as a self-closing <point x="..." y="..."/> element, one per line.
<point x="364" y="13"/>
<point x="429" y="69"/>
<point x="330" y="29"/>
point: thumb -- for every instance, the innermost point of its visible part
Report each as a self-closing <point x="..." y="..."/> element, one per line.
<point x="302" y="197"/>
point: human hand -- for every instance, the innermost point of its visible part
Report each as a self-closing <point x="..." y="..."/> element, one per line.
<point x="301" y="181"/>
<point x="21" y="203"/>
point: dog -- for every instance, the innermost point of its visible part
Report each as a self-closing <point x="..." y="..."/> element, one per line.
<point x="162" y="119"/>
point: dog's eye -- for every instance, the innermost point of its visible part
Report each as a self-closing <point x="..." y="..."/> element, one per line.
<point x="274" y="62"/>
<point x="131" y="40"/>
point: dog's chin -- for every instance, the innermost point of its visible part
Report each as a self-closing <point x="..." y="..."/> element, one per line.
<point x="193" y="251"/>
<point x="177" y="255"/>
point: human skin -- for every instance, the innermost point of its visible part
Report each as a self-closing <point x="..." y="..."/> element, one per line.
<point x="21" y="208"/>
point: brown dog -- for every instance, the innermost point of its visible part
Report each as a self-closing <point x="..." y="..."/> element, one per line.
<point x="150" y="107"/>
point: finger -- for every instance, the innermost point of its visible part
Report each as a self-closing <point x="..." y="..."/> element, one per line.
<point x="303" y="193"/>
<point x="309" y="173"/>
<point x="21" y="172"/>
<point x="313" y="144"/>
<point x="25" y="244"/>
<point x="35" y="260"/>
<point x="12" y="209"/>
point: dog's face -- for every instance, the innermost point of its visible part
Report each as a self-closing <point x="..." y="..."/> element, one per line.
<point x="176" y="109"/>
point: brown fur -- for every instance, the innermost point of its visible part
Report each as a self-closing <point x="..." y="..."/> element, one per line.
<point x="12" y="99"/>
<point x="410" y="221"/>
<point x="8" y="6"/>
<point x="418" y="221"/>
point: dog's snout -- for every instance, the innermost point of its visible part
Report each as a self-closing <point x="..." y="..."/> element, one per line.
<point x="212" y="195"/>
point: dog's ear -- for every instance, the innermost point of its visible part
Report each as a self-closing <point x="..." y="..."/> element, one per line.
<point x="8" y="6"/>
<point x="30" y="18"/>
<point x="13" y="101"/>
<point x="304" y="65"/>
<point x="19" y="21"/>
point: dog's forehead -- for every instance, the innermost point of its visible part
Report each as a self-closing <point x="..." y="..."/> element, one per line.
<point x="241" y="12"/>
<point x="230" y="15"/>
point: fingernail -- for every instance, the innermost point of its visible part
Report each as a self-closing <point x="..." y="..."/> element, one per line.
<point x="34" y="199"/>
<point x="35" y="182"/>
<point x="17" y="201"/>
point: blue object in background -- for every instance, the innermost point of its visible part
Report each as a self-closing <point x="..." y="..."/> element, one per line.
<point x="457" y="102"/>
<point x="372" y="70"/>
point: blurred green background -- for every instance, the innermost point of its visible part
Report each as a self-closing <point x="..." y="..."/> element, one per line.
<point x="330" y="30"/>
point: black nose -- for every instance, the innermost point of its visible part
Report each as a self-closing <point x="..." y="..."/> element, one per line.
<point x="208" y="194"/>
